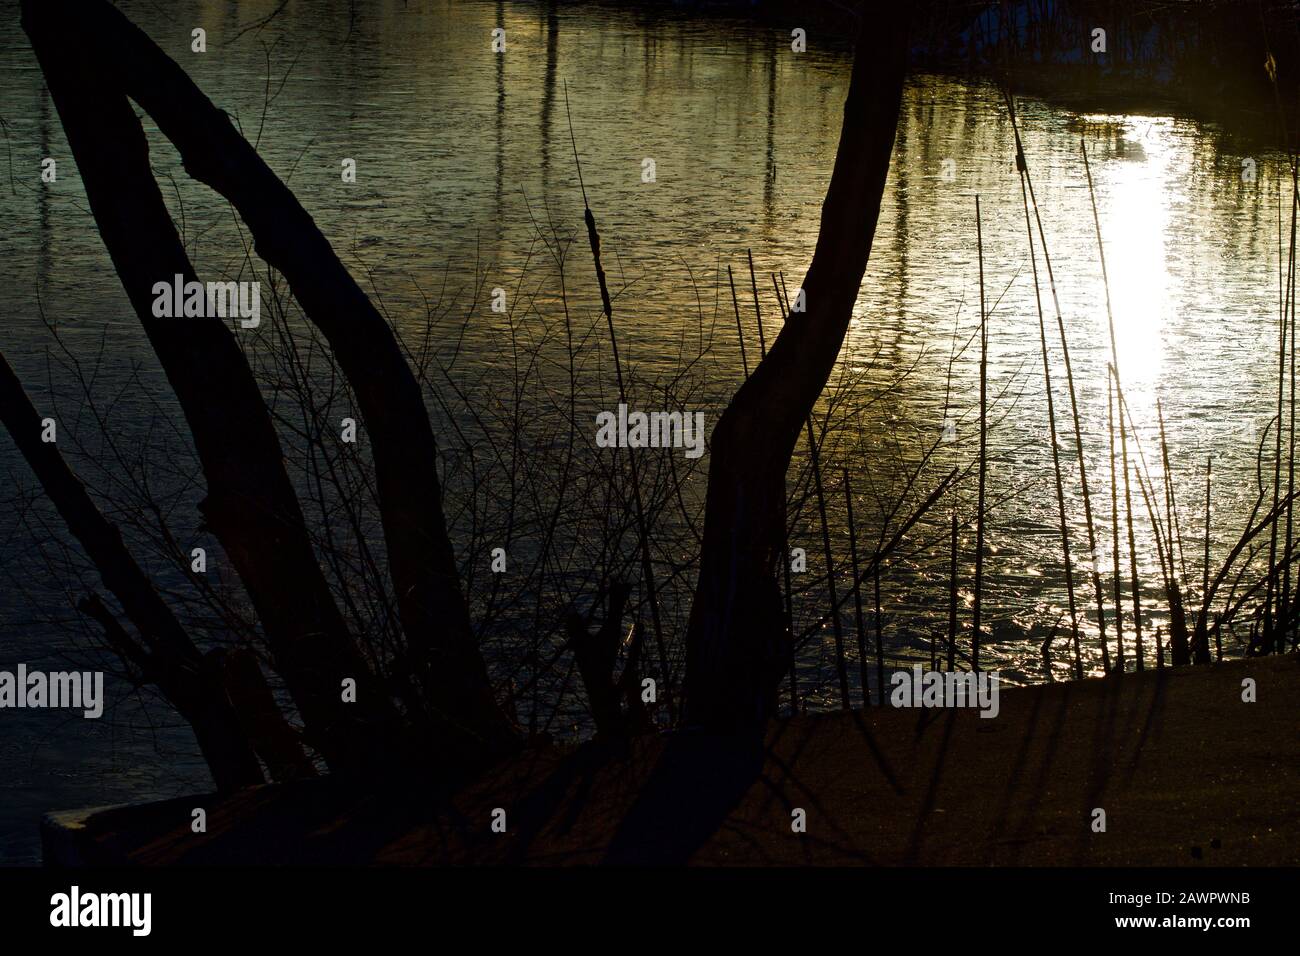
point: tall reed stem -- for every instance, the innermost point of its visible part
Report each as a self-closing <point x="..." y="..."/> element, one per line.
<point x="1270" y="593"/>
<point x="1285" y="595"/>
<point x="983" y="454"/>
<point x="758" y="313"/>
<point x="880" y="637"/>
<point x="740" y="329"/>
<point x="1092" y="562"/>
<point x="1178" y="643"/>
<point x="789" y="621"/>
<point x="1123" y="433"/>
<point x="857" y="592"/>
<point x="1051" y="406"/>
<point x="1114" y="528"/>
<point x="1168" y="572"/>
<point x="1201" y="644"/>
<point x="840" y="667"/>
<point x="647" y="569"/>
<point x="952" y="586"/>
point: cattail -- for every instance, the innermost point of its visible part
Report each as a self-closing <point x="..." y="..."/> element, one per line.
<point x="647" y="569"/>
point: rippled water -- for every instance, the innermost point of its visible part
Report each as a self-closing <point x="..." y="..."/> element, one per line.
<point x="461" y="154"/>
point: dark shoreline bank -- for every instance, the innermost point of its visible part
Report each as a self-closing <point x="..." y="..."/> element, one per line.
<point x="1201" y="61"/>
<point x="1187" y="773"/>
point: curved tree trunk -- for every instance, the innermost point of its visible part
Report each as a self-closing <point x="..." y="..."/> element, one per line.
<point x="465" y="722"/>
<point x="250" y="506"/>
<point x="442" y="651"/>
<point x="737" y="649"/>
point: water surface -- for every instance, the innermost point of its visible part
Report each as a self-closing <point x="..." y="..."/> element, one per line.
<point x="464" y="155"/>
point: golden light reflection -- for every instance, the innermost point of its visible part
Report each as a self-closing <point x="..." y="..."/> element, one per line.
<point x="1134" y="220"/>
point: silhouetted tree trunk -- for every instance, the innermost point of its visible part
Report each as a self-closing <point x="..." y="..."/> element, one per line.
<point x="250" y="506"/>
<point x="261" y="717"/>
<point x="737" y="649"/>
<point x="441" y="648"/>
<point x="167" y="657"/>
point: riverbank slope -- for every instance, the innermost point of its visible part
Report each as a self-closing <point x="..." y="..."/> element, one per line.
<point x="1186" y="771"/>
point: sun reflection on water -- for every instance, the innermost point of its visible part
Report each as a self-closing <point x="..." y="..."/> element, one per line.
<point x="1134" y="225"/>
